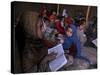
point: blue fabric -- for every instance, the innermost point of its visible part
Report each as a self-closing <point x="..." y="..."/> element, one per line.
<point x="68" y="41"/>
<point x="74" y="30"/>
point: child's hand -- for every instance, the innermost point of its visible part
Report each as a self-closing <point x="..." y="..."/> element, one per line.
<point x="66" y="51"/>
<point x="61" y="41"/>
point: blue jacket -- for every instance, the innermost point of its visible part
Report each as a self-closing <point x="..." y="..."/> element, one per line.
<point x="68" y="41"/>
<point x="74" y="30"/>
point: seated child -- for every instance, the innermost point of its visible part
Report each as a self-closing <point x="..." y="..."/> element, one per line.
<point x="71" y="41"/>
<point x="86" y="51"/>
<point x="72" y="44"/>
<point x="80" y="34"/>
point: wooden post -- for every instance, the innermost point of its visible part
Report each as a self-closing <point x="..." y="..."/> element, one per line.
<point x="87" y="15"/>
<point x="58" y="9"/>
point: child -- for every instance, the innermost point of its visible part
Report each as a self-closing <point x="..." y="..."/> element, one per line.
<point x="52" y="21"/>
<point x="58" y="26"/>
<point x="86" y="51"/>
<point x="71" y="41"/>
<point x="68" y="21"/>
<point x="80" y="33"/>
<point x="71" y="45"/>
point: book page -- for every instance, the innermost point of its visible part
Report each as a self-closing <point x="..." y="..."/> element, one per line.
<point x="57" y="49"/>
<point x="60" y="60"/>
<point x="95" y="42"/>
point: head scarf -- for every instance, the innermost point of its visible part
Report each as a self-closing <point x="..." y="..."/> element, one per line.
<point x="28" y="21"/>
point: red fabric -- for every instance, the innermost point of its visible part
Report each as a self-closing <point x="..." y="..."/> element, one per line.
<point x="72" y="50"/>
<point x="68" y="20"/>
<point x="59" y="28"/>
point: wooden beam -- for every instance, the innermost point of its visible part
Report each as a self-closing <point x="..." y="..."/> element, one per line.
<point x="87" y="15"/>
<point x="58" y="9"/>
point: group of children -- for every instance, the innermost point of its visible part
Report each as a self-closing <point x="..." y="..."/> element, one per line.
<point x="32" y="29"/>
<point x="62" y="29"/>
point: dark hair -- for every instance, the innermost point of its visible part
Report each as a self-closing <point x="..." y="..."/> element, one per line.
<point x="81" y="22"/>
<point x="46" y="19"/>
<point x="67" y="27"/>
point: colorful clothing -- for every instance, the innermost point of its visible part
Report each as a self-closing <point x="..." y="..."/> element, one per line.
<point x="59" y="28"/>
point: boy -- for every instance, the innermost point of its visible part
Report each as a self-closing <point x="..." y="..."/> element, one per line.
<point x="71" y="41"/>
<point x="80" y="33"/>
<point x="71" y="45"/>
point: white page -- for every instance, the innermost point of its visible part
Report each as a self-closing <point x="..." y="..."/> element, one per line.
<point x="57" y="49"/>
<point x="60" y="60"/>
<point x="95" y="42"/>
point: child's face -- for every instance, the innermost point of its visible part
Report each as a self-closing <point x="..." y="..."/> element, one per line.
<point x="81" y="27"/>
<point x="69" y="32"/>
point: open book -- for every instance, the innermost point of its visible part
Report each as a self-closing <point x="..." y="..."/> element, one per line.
<point x="60" y="60"/>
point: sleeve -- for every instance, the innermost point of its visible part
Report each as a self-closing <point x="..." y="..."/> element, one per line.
<point x="67" y="43"/>
<point x="49" y="43"/>
<point x="44" y="67"/>
<point x="32" y="64"/>
<point x="60" y="28"/>
<point x="28" y="63"/>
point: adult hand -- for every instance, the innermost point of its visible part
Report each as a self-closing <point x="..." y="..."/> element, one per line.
<point x="50" y="57"/>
